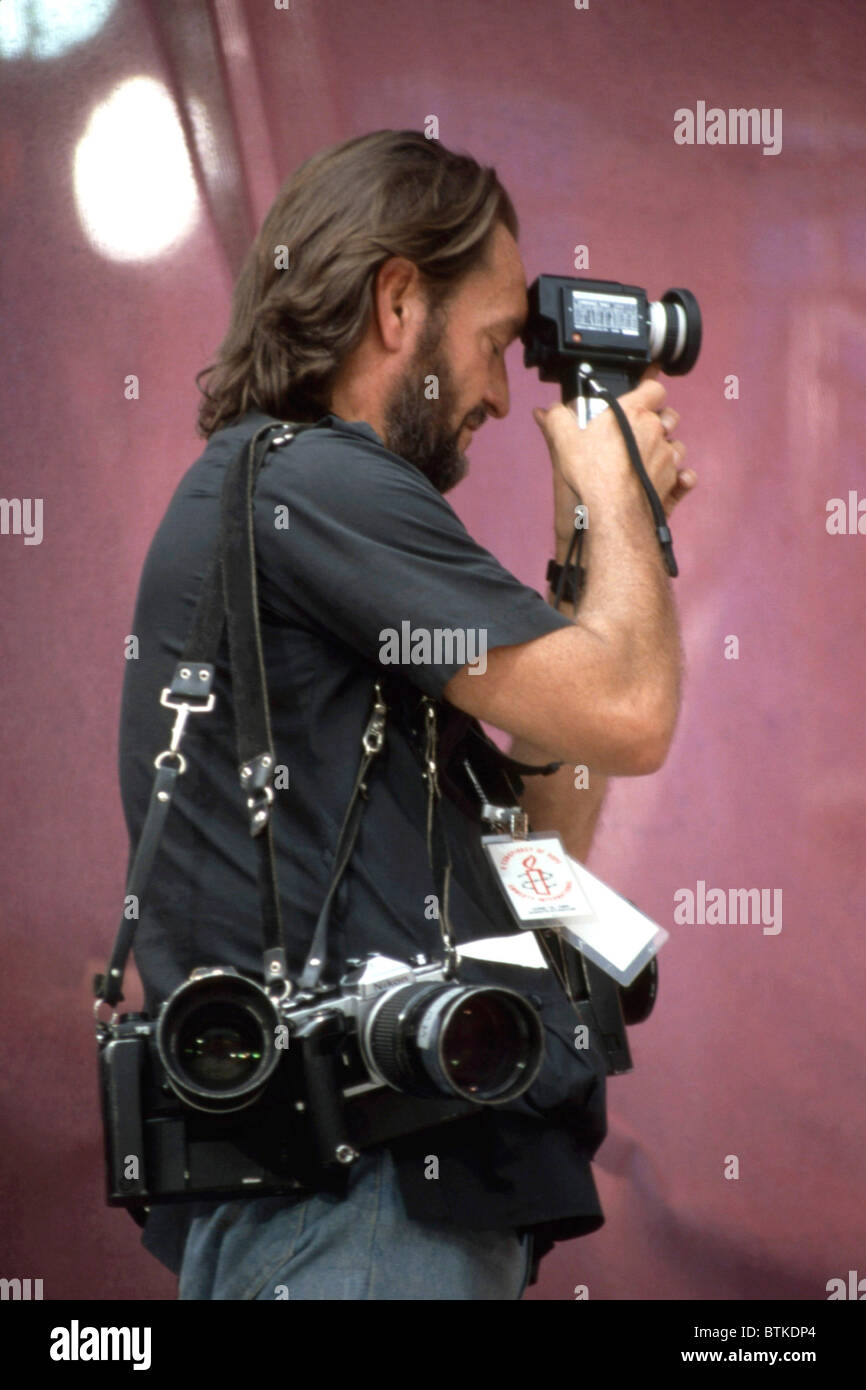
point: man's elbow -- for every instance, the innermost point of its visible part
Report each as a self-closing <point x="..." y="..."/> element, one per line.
<point x="640" y="741"/>
<point x="651" y="756"/>
<point x="654" y="745"/>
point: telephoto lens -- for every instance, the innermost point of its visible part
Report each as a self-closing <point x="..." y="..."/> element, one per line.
<point x="216" y="1038"/>
<point x="480" y="1043"/>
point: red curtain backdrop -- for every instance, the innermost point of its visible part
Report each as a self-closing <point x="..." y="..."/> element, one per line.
<point x="197" y="112"/>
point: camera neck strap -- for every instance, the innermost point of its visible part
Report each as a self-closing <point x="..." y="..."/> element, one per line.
<point x="228" y="598"/>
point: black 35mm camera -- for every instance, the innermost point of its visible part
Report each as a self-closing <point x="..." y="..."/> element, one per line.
<point x="230" y="1092"/>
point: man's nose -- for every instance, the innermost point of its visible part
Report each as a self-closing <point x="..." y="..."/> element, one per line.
<point x="496" y="398"/>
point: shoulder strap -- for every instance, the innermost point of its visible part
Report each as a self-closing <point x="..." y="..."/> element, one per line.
<point x="229" y="589"/>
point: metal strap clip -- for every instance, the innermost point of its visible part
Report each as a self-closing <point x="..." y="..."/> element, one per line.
<point x="189" y="693"/>
<point x="511" y="819"/>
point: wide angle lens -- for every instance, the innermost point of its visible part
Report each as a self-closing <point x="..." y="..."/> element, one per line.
<point x="478" y="1042"/>
<point x="216" y="1039"/>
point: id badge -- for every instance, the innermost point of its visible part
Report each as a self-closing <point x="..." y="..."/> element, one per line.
<point x="537" y="879"/>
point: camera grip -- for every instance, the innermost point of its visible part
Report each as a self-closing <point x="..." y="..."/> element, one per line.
<point x="325" y="1109"/>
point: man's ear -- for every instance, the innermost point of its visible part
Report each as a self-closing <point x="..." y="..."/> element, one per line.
<point x="397" y="300"/>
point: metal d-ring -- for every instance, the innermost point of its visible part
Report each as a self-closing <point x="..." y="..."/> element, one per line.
<point x="171" y="753"/>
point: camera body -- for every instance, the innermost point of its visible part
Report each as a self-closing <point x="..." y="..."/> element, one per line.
<point x="614" y="328"/>
<point x="231" y="1093"/>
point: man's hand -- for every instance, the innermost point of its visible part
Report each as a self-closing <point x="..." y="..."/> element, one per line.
<point x="594" y="462"/>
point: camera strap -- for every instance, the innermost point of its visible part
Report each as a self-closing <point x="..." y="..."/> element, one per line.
<point x="229" y="597"/>
<point x="586" y="378"/>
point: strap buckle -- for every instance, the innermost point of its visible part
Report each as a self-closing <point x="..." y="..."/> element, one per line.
<point x="255" y="775"/>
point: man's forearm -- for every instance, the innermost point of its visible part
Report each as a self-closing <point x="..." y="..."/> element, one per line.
<point x="568" y="801"/>
<point x="627" y="601"/>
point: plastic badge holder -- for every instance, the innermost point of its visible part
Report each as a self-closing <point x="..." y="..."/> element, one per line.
<point x="544" y="886"/>
<point x="621" y="940"/>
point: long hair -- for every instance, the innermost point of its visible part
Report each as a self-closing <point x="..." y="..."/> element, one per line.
<point x="305" y="291"/>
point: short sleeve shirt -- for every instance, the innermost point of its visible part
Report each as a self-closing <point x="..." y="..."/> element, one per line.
<point x="362" y="566"/>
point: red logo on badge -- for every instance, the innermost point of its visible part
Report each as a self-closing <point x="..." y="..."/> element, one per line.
<point x="536" y="880"/>
<point x="537" y="876"/>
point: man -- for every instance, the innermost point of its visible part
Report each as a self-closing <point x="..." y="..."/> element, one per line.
<point x="376" y="306"/>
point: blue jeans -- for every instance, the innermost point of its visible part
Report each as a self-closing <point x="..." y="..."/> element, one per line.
<point x="362" y="1246"/>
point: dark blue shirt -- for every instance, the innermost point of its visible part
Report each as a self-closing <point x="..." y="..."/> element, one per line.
<point x="351" y="541"/>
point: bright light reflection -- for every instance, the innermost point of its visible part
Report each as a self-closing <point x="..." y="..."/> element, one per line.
<point x="134" y="184"/>
<point x="46" y="28"/>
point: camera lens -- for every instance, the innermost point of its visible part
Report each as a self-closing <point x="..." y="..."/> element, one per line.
<point x="480" y="1043"/>
<point x="216" y="1040"/>
<point x="220" y="1046"/>
<point x="675" y="329"/>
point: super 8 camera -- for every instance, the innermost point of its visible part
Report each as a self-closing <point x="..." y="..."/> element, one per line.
<point x="596" y="338"/>
<point x="615" y="329"/>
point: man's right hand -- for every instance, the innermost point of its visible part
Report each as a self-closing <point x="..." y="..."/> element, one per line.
<point x="594" y="463"/>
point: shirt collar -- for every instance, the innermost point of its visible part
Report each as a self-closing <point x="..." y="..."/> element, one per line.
<point x="329" y="421"/>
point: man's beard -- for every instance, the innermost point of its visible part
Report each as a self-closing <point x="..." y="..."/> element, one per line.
<point x="420" y="430"/>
